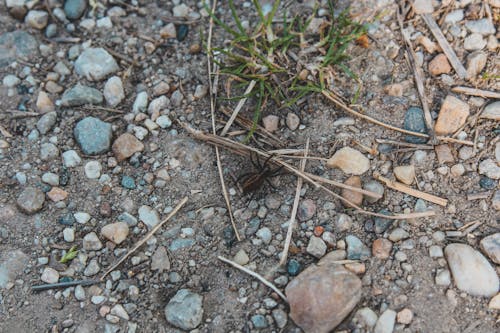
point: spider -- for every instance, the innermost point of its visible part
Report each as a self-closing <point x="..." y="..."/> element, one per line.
<point x="252" y="181"/>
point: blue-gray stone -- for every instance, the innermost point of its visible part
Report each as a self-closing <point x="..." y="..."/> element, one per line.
<point x="81" y="95"/>
<point x="382" y="224"/>
<point x="180" y="243"/>
<point x="74" y="8"/>
<point x="182" y="31"/>
<point x="67" y="219"/>
<point x="253" y="226"/>
<point x="293" y="267"/>
<point x="93" y="135"/>
<point x="128" y="182"/>
<point x="51" y="30"/>
<point x="487" y="183"/>
<point x="415" y="121"/>
<point x="127" y="218"/>
<point x="95" y="64"/>
<point x="16" y="44"/>
<point x="356" y="250"/>
<point x="185" y="310"/>
<point x="259" y="321"/>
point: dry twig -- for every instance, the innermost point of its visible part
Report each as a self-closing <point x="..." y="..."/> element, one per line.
<point x="476" y="92"/>
<point x="238" y="107"/>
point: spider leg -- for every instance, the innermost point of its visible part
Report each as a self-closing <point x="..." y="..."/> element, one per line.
<point x="254" y="163"/>
<point x="277" y="172"/>
<point x="270" y="184"/>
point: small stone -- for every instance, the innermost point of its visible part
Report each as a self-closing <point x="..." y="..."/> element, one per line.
<point x="119" y="311"/>
<point x="11" y="81"/>
<point x="386" y="321"/>
<point x="356" y="250"/>
<point x="443" y="278"/>
<point x="50" y="178"/>
<point x="306" y="210"/>
<point x="350" y="161"/>
<point x="271" y="123"/>
<point x="125" y="146"/>
<point x="454" y="16"/>
<point x="490" y="245"/>
<point x="259" y="321"/>
<point x="322" y="296"/>
<point x="367" y="317"/>
<point x="95" y="64"/>
<point x="381" y="248"/>
<point x="79" y="293"/>
<point x="181" y="243"/>
<point x="128" y="182"/>
<point x="160" y="260"/>
<point x="48" y="151"/>
<point x="57" y="194"/>
<point x="395" y="89"/>
<point x="343" y="222"/>
<point x="185" y="310"/>
<point x="415" y="121"/>
<point x="487" y="183"/>
<point x="176" y="98"/>
<point x="149" y="216"/>
<point x="67" y="219"/>
<point x="476" y="62"/>
<point x="115" y="232"/>
<point x="444" y="154"/>
<point x="163" y="121"/>
<point x="292" y="121"/>
<point x="474" y="42"/>
<point x="93" y="135"/>
<point x="241" y="258"/>
<point x="457" y="170"/>
<point x="93" y="169"/>
<point x="50" y="275"/>
<point x="74" y="9"/>
<point x="376" y="187"/>
<point x="439" y="65"/>
<point x="82" y="217"/>
<point x="435" y="251"/>
<point x="44" y="104"/>
<point x="495" y="303"/>
<point x="46" y="122"/>
<point x="200" y="91"/>
<point x="37" y="19"/>
<point x="492" y="111"/>
<point x="98" y="299"/>
<point x="113" y="91"/>
<point x="382" y="224"/>
<point x="471" y="271"/>
<point x="280" y="317"/>
<point x="404" y="316"/>
<point x="398" y="234"/>
<point x="428" y="44"/>
<point x="489" y="168"/>
<point x="81" y="95"/>
<point x="104" y="23"/>
<point x="69" y="235"/>
<point x="452" y="116"/>
<point x="405" y="174"/>
<point x="31" y="200"/>
<point x="92" y="268"/>
<point x="91" y="242"/>
<point x="316" y="247"/>
<point x="422" y="7"/>
<point x="140" y="103"/>
<point x="293" y="267"/>
<point x="265" y="235"/>
<point x="352" y="196"/>
<point x="71" y="159"/>
<point x="482" y="26"/>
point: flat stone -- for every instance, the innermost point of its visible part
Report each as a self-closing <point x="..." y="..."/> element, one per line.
<point x="443" y="278"/>
<point x="185" y="310"/>
<point x="444" y="154"/>
<point x="398" y="234"/>
<point x="113" y="91"/>
<point x="50" y="275"/>
<point x="352" y="196"/>
<point x="119" y="311"/>
<point x="71" y="159"/>
<point x="471" y="271"/>
<point x="489" y="168"/>
<point x="452" y="116"/>
<point x="241" y="257"/>
<point x="490" y="245"/>
<point x="81" y="95"/>
<point x="457" y="170"/>
<point x="322" y="296"/>
<point x="46" y="122"/>
<point x="386" y="321"/>
<point x="181" y="243"/>
<point x="476" y="62"/>
<point x="160" y="260"/>
<point x="115" y="232"/>
<point x="31" y="200"/>
<point x="405" y="174"/>
<point x="439" y="65"/>
<point x="454" y="16"/>
<point x="350" y="161"/>
<point x="93" y="135"/>
<point x="356" y="250"/>
<point x="482" y="26"/>
<point x="316" y="247"/>
<point x="376" y="187"/>
<point x="306" y="210"/>
<point x="381" y="248"/>
<point x="492" y="111"/>
<point x="57" y="194"/>
<point x="17" y="44"/>
<point x="271" y="123"/>
<point x="91" y="242"/>
<point x="125" y="146"/>
<point x="149" y="216"/>
<point x="415" y="121"/>
<point x="343" y="222"/>
<point x="95" y="64"/>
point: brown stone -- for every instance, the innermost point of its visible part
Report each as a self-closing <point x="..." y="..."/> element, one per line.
<point x="357" y="268"/>
<point x="105" y="209"/>
<point x="444" y="154"/>
<point x="126" y="145"/>
<point x="354" y="197"/>
<point x="43" y="103"/>
<point x="322" y="296"/>
<point x="57" y="194"/>
<point x="115" y="232"/>
<point x="439" y="65"/>
<point x="405" y="174"/>
<point x="381" y="248"/>
<point x="271" y="123"/>
<point x="452" y="116"/>
<point x="395" y="89"/>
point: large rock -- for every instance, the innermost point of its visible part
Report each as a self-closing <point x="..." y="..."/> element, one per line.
<point x="16" y="44"/>
<point x="322" y="296"/>
<point x="95" y="64"/>
<point x="185" y="310"/>
<point x="93" y="135"/>
<point x="471" y="271"/>
<point x="350" y="161"/>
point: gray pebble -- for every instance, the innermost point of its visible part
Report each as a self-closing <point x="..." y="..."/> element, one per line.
<point x="46" y="122"/>
<point x="93" y="135"/>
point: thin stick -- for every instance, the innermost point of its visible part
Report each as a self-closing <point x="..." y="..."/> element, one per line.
<point x="447" y="49"/>
<point x="344" y="186"/>
<point x="102" y="108"/>
<point x="212" y="87"/>
<point x="145" y="238"/>
<point x="291" y="222"/>
<point x="48" y="286"/>
<point x="476" y="92"/>
<point x="255" y="275"/>
<point x="238" y="107"/>
<point x="478" y="196"/>
<point x="415" y="193"/>
<point x="404" y="144"/>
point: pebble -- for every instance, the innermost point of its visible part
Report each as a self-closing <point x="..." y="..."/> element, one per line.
<point x="386" y="321"/>
<point x="306" y="210"/>
<point x="50" y="178"/>
<point x="115" y="232"/>
<point x="16" y="44"/>
<point x="259" y="321"/>
<point x="356" y="250"/>
<point x="444" y="154"/>
<point x="81" y="95"/>
<point x="452" y="116"/>
<point x="454" y="16"/>
<point x="97" y="299"/>
<point x="376" y="187"/>
<point x="241" y="257"/>
<point x="443" y="278"/>
<point x="404" y="316"/>
<point x="487" y="183"/>
<point x="490" y="245"/>
<point x="471" y="271"/>
<point x="280" y="317"/>
<point x="71" y="159"/>
<point x="104" y="23"/>
<point x="69" y="235"/>
<point x="381" y="248"/>
<point x="74" y="9"/>
<point x="79" y="293"/>
<point x="316" y="247"/>
<point x="322" y="296"/>
<point x="160" y="260"/>
<point x="271" y="123"/>
<point x="140" y="103"/>
<point x="125" y="146"/>
<point x="466" y="153"/>
<point x="265" y="235"/>
<point x="366" y="317"/>
<point x="163" y="121"/>
<point x="292" y="121"/>
<point x="352" y="196"/>
<point x="495" y="303"/>
<point x="382" y="224"/>
<point x="67" y="219"/>
<point x="149" y="216"/>
<point x="95" y="64"/>
<point x="91" y="242"/>
<point x="93" y="135"/>
<point x="405" y="174"/>
<point x="93" y="169"/>
<point x="57" y="194"/>
<point x="482" y="26"/>
<point x="293" y="267"/>
<point x="435" y="251"/>
<point x="492" y="111"/>
<point x="474" y="42"/>
<point x="350" y="161"/>
<point x="31" y="200"/>
<point x="185" y="310"/>
<point x="439" y="65"/>
<point x="489" y="168"/>
<point x="37" y="19"/>
<point x="200" y="91"/>
<point x="415" y="121"/>
<point x="92" y="268"/>
<point x="422" y="7"/>
<point x="119" y="311"/>
<point x="398" y="234"/>
<point x="46" y="122"/>
<point x="11" y="81"/>
<point x="476" y="62"/>
<point x="113" y="91"/>
<point x="48" y="151"/>
<point x="176" y="98"/>
<point x="158" y="104"/>
<point x="343" y="222"/>
<point x="43" y="103"/>
<point x="50" y="275"/>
